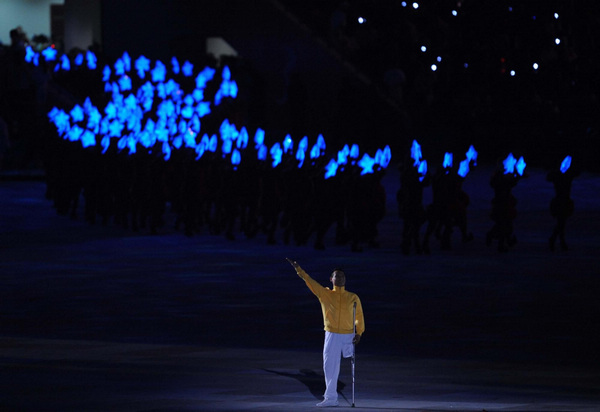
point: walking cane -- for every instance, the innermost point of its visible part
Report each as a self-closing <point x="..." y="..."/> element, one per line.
<point x="353" y="351"/>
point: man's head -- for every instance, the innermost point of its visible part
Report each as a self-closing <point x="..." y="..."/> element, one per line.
<point x="338" y="278"/>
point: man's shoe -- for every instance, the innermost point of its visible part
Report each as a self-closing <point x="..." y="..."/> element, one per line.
<point x="328" y="403"/>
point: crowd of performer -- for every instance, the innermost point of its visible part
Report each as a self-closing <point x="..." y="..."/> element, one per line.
<point x="126" y="175"/>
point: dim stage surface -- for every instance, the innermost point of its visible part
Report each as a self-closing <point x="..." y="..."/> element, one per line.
<point x="100" y="318"/>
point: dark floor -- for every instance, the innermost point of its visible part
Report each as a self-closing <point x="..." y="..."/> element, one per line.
<point x="99" y="318"/>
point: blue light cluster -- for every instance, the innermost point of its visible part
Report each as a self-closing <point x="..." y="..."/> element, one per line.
<point x="514" y="166"/>
<point x="150" y="109"/>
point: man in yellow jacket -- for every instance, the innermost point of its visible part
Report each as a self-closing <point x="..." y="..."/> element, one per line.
<point x="337" y="305"/>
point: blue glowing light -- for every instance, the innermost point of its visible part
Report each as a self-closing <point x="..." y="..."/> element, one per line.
<point x="106" y="73"/>
<point x="200" y="148"/>
<point x="262" y="152"/>
<point x="91" y="60"/>
<point x="259" y="138"/>
<point x="276" y="153"/>
<point x="315" y="152"/>
<point x="146" y="139"/>
<point x="76" y="113"/>
<point x="49" y="54"/>
<point x="195" y="124"/>
<point x="177" y="142"/>
<point x="447" y="160"/>
<point x="212" y="146"/>
<point x="565" y="164"/>
<point x="187" y="112"/>
<point x="204" y="76"/>
<point x="415" y="153"/>
<point x="78" y="59"/>
<point x="88" y="139"/>
<point x="182" y="126"/>
<point x="227" y="130"/>
<point x="303" y="145"/>
<point x="321" y="143"/>
<point x="187" y="69"/>
<point x="105" y="143"/>
<point x="65" y="64"/>
<point x="331" y="169"/>
<point x="300" y="156"/>
<point x="175" y="65"/>
<point x="115" y="128"/>
<point x="242" y="139"/>
<point x="74" y="133"/>
<point x="159" y="73"/>
<point x="288" y="144"/>
<point x="198" y="94"/>
<point x="354" y="152"/>
<point x="166" y="151"/>
<point x="119" y="67"/>
<point x="142" y="65"/>
<point x="130" y="103"/>
<point x="386" y="157"/>
<point x="236" y="157"/>
<point x="29" y="53"/>
<point x="422" y="169"/>
<point x="463" y="168"/>
<point x="126" y="62"/>
<point x="509" y="164"/>
<point x="520" y="166"/>
<point x="342" y="157"/>
<point x="94" y="118"/>
<point x="203" y="108"/>
<point x="125" y="83"/>
<point x="367" y="163"/>
<point x="472" y="154"/>
<point x="189" y="138"/>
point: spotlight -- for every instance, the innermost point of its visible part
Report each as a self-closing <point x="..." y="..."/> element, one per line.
<point x="513" y="73"/>
<point x="415" y="5"/>
<point x="423" y="49"/>
<point x="557" y="41"/>
<point x="434" y="67"/>
<point x="454" y="13"/>
<point x="536" y="66"/>
<point x="361" y="20"/>
<point x="556" y="16"/>
<point x="439" y="59"/>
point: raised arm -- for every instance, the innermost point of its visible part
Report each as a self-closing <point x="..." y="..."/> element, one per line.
<point x="312" y="284"/>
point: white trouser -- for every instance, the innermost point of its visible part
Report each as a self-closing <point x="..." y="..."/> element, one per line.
<point x="336" y="346"/>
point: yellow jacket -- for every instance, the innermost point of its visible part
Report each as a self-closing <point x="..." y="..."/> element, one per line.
<point x="337" y="306"/>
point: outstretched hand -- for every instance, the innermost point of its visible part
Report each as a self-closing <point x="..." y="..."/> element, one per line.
<point x="293" y="263"/>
